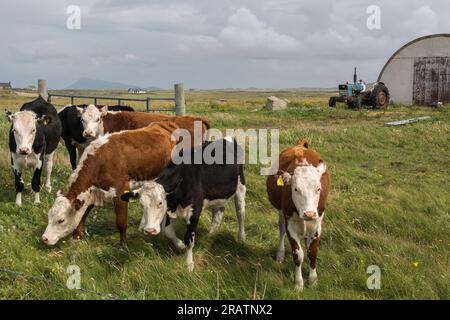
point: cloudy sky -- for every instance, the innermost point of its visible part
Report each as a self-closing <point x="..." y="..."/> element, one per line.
<point x="208" y="43"/>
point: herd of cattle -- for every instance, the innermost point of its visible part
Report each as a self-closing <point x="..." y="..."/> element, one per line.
<point x="118" y="154"/>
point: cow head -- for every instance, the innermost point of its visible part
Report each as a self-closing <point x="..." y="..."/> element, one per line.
<point x="24" y="125"/>
<point x="64" y="216"/>
<point x="92" y="120"/>
<point x="152" y="198"/>
<point x="305" y="187"/>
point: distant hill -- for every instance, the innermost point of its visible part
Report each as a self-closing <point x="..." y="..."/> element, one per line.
<point x="95" y="84"/>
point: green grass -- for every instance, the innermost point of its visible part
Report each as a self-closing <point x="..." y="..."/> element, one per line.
<point x="388" y="206"/>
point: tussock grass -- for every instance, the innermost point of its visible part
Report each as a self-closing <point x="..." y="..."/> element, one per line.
<point x="388" y="206"/>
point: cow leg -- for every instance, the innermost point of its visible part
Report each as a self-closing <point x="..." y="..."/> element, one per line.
<point x="169" y="232"/>
<point x="77" y="234"/>
<point x="189" y="237"/>
<point x="48" y="165"/>
<point x="217" y="215"/>
<point x="297" y="252"/>
<point x="36" y="184"/>
<point x="72" y="153"/>
<point x="312" y="255"/>
<point x="239" y="202"/>
<point x="312" y="239"/>
<point x="121" y="208"/>
<point x="19" y="183"/>
<point x="80" y="151"/>
<point x="282" y="230"/>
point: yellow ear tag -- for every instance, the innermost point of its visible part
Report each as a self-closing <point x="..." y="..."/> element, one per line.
<point x="280" y="181"/>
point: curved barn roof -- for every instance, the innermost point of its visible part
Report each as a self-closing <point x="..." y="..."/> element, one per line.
<point x="444" y="35"/>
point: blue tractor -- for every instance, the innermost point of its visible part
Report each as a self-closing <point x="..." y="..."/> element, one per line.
<point x="359" y="94"/>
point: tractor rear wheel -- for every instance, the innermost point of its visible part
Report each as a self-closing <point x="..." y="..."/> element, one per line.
<point x="380" y="97"/>
<point x="332" y="102"/>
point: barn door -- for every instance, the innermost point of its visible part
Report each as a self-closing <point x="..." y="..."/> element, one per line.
<point x="431" y="80"/>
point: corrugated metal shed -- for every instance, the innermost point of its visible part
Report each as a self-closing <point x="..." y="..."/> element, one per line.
<point x="419" y="72"/>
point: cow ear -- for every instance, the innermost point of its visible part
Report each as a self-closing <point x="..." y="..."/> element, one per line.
<point x="127" y="196"/>
<point x="322" y="167"/>
<point x="80" y="110"/>
<point x="303" y="143"/>
<point x="44" y="120"/>
<point x="171" y="215"/>
<point x="78" y="204"/>
<point x="9" y="116"/>
<point x="59" y="193"/>
<point x="103" y="111"/>
<point x="284" y="178"/>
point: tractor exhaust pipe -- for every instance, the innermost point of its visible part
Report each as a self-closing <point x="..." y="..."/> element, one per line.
<point x="355" y="77"/>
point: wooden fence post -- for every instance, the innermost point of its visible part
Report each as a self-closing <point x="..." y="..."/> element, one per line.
<point x="180" y="103"/>
<point x="42" y="88"/>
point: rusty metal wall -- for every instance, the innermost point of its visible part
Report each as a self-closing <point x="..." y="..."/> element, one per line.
<point x="431" y="80"/>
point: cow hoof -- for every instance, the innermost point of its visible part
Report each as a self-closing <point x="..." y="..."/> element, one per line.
<point x="180" y="245"/>
<point x="241" y="238"/>
<point x="213" y="228"/>
<point x="190" y="267"/>
<point x="299" y="287"/>
<point x="123" y="245"/>
<point x="280" y="258"/>
<point x="49" y="188"/>
<point x="313" y="282"/>
<point x="19" y="203"/>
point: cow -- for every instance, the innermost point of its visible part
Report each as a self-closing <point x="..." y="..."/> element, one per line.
<point x="72" y="128"/>
<point x="91" y="122"/>
<point x="109" y="166"/>
<point x="33" y="137"/>
<point x="183" y="190"/>
<point x="299" y="190"/>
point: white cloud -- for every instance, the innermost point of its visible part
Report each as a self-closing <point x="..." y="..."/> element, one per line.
<point x="244" y="31"/>
<point x="423" y="21"/>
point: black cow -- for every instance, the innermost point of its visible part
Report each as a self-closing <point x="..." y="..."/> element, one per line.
<point x="73" y="129"/>
<point x="184" y="190"/>
<point x="34" y="135"/>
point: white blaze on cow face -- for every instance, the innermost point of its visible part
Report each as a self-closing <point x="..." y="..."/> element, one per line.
<point x="306" y="186"/>
<point x="63" y="218"/>
<point x="152" y="198"/>
<point x="92" y="120"/>
<point x="24" y="126"/>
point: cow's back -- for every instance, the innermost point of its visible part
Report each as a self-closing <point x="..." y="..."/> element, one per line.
<point x="114" y="122"/>
<point x="143" y="153"/>
<point x="126" y="120"/>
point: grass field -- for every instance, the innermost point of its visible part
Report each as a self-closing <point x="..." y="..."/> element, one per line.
<point x="389" y="206"/>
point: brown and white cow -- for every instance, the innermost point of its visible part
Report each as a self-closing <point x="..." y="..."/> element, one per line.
<point x="299" y="191"/>
<point x="98" y="121"/>
<point x="110" y="165"/>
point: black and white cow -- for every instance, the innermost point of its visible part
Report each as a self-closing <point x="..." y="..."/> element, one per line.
<point x="184" y="190"/>
<point x="74" y="134"/>
<point x="34" y="135"/>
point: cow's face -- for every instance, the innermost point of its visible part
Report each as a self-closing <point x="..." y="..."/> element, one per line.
<point x="63" y="217"/>
<point x="152" y="198"/>
<point x="24" y="125"/>
<point x="306" y="186"/>
<point x="92" y="120"/>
